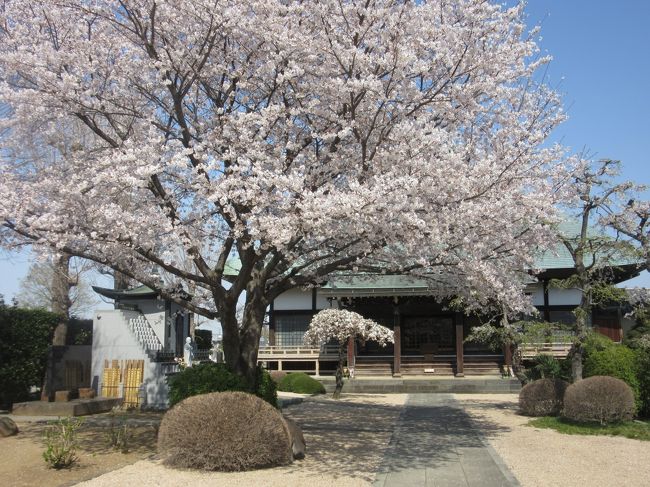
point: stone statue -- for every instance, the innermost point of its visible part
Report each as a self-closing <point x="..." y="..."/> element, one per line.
<point x="188" y="352"/>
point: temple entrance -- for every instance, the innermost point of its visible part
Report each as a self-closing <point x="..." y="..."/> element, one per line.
<point x="428" y="335"/>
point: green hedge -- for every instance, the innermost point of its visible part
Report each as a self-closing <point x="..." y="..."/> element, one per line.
<point x="210" y="377"/>
<point x="25" y="336"/>
<point x="300" y="383"/>
<point x="643" y="374"/>
<point x="615" y="361"/>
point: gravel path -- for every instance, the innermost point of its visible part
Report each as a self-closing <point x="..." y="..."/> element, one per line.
<point x="545" y="458"/>
<point x="346" y="440"/>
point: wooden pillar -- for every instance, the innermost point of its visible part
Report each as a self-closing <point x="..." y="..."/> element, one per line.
<point x="397" y="347"/>
<point x="460" y="353"/>
<point x="271" y="325"/>
<point x="547" y="311"/>
<point x="507" y="355"/>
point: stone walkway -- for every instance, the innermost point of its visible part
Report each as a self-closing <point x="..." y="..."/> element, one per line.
<point x="435" y="443"/>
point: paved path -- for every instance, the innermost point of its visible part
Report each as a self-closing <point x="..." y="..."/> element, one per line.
<point x="435" y="443"/>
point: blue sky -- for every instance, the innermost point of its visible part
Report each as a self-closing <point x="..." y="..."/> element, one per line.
<point x="601" y="62"/>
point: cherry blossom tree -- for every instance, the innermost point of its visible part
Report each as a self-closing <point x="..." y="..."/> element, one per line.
<point x="632" y="220"/>
<point x="342" y="325"/>
<point x="276" y="142"/>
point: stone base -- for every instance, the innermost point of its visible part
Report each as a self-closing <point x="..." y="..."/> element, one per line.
<point x="76" y="407"/>
<point x="86" y="393"/>
<point x="62" y="396"/>
<point x="466" y="385"/>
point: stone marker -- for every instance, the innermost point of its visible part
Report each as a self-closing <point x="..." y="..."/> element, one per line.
<point x="86" y="393"/>
<point x="62" y="396"/>
<point x="7" y="427"/>
<point x="298" y="446"/>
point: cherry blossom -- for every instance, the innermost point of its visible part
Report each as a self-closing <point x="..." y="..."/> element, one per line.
<point x="298" y="139"/>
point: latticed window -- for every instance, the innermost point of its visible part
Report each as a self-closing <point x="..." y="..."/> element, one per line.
<point x="290" y="329"/>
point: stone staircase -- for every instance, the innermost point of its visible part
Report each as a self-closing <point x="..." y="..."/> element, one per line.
<point x="440" y="365"/>
<point x="483" y="364"/>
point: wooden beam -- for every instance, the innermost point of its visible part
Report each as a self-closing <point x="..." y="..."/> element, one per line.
<point x="547" y="311"/>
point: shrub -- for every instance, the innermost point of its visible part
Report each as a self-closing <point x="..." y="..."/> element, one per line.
<point x="596" y="342"/>
<point x="277" y="375"/>
<point x="210" y="377"/>
<point x="543" y="397"/>
<point x="225" y="431"/>
<point x="643" y="376"/>
<point x="548" y="367"/>
<point x="61" y="443"/>
<point x="599" y="399"/>
<point x="25" y="336"/>
<point x="266" y="388"/>
<point x="616" y="361"/>
<point x="300" y="383"/>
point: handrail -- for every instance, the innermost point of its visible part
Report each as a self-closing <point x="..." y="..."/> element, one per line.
<point x="557" y="349"/>
<point x="297" y="350"/>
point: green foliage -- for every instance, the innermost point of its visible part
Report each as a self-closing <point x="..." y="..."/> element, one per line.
<point x="643" y="376"/>
<point x="25" y="336"/>
<point x="119" y="434"/>
<point x="210" y="377"/>
<point x="604" y="293"/>
<point x="638" y="430"/>
<point x="596" y="342"/>
<point x="640" y="329"/>
<point x="266" y="387"/>
<point x="300" y="383"/>
<point x="615" y="361"/>
<point x="61" y="443"/>
<point x="203" y="339"/>
<point x="519" y="333"/>
<point x="546" y="366"/>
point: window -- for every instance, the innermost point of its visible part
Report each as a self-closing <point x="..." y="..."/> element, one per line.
<point x="290" y="329"/>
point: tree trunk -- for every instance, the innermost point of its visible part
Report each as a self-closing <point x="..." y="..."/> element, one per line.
<point x="581" y="329"/>
<point x="121" y="281"/>
<point x="339" y="373"/>
<point x="60" y="304"/>
<point x="241" y="340"/>
<point x="61" y="284"/>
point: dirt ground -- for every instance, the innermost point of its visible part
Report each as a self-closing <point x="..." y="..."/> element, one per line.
<point x="22" y="462"/>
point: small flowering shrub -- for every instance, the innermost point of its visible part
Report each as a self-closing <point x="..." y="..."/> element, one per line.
<point x="341" y="325"/>
<point x="224" y="431"/>
<point x="599" y="399"/>
<point x="542" y="397"/>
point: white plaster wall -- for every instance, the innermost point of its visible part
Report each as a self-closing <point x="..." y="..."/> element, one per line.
<point x="293" y="299"/>
<point x="627" y="324"/>
<point x="537" y="293"/>
<point x="559" y="297"/>
<point x="113" y="340"/>
<point x="321" y="301"/>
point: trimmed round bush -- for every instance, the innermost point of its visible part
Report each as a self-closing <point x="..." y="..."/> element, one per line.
<point x="300" y="383"/>
<point x="616" y="361"/>
<point x="224" y="431"/>
<point x="543" y="397"/>
<point x="210" y="377"/>
<point x="599" y="399"/>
